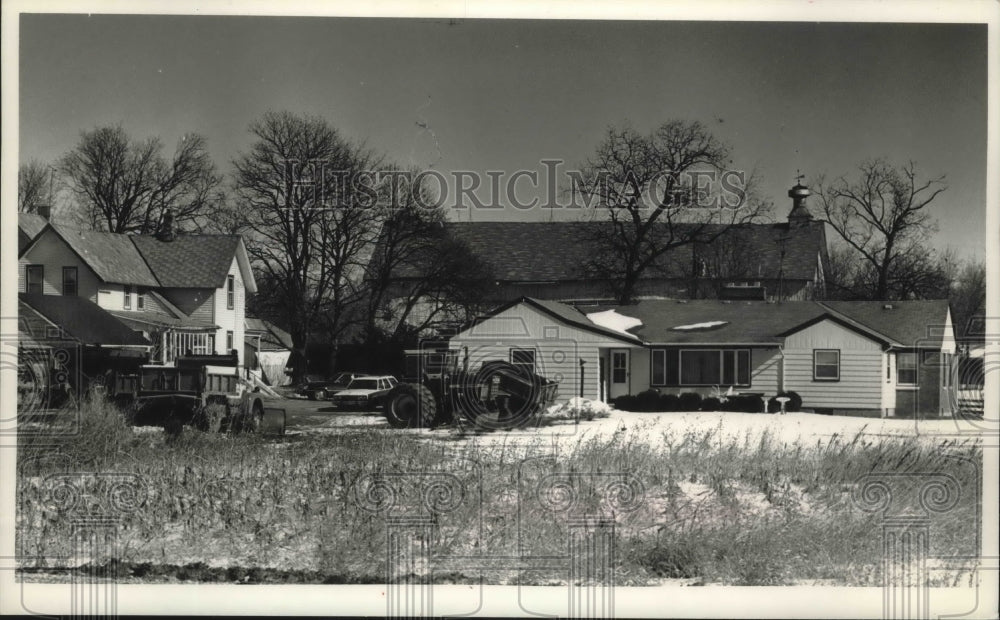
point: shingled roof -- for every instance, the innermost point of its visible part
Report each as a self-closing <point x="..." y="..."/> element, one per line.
<point x="189" y="261"/>
<point x="559" y="251"/>
<point x="910" y="323"/>
<point x="28" y="227"/>
<point x="112" y="256"/>
<point x="83" y="320"/>
<point x="709" y="321"/>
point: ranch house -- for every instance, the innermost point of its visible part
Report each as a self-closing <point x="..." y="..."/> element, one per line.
<point x="858" y="358"/>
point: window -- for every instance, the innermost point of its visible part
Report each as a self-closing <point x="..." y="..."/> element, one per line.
<point x="715" y="367"/>
<point x="524" y="359"/>
<point x="700" y="367"/>
<point x="906" y="368"/>
<point x="128" y="297"/>
<point x="619" y="367"/>
<point x="230" y="292"/>
<point x="69" y="281"/>
<point x="229" y="341"/>
<point x="140" y="299"/>
<point x="658" y="373"/>
<point x="34" y="276"/>
<point x="826" y="365"/>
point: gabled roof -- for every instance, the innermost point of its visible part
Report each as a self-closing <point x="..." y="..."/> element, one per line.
<point x="566" y="314"/>
<point x="272" y="337"/>
<point x="189" y="261"/>
<point x="83" y="320"/>
<point x="716" y="322"/>
<point x="28" y="227"/>
<point x="112" y="256"/>
<point x="909" y="323"/>
<point x="558" y="251"/>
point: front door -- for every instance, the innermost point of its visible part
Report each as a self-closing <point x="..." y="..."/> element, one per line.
<point x="618" y="386"/>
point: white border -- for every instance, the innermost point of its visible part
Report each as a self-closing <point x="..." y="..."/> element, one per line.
<point x="637" y="602"/>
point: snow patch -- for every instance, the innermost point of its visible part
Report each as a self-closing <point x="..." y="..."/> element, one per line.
<point x="705" y="325"/>
<point x="610" y="319"/>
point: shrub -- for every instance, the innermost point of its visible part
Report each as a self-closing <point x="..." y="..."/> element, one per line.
<point x="745" y="404"/>
<point x="625" y="403"/>
<point x="668" y="402"/>
<point x="711" y="404"/>
<point x="648" y="400"/>
<point x="689" y="401"/>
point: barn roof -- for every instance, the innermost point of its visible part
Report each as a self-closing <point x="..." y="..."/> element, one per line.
<point x="559" y="251"/>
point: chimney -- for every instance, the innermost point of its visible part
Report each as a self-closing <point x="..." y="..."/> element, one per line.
<point x="44" y="210"/>
<point x="166" y="230"/>
<point x="800" y="212"/>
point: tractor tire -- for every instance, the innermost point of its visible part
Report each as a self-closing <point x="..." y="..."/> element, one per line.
<point x="410" y="406"/>
<point x="251" y="421"/>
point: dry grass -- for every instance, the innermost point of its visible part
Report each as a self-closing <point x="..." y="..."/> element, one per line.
<point x="713" y="509"/>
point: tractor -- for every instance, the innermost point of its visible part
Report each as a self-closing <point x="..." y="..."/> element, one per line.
<point x="436" y="390"/>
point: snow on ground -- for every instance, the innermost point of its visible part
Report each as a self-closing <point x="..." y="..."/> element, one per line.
<point x="610" y="319"/>
<point x="804" y="428"/>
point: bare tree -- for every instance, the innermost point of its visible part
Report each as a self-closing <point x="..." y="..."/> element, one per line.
<point x="34" y="186"/>
<point x="419" y="277"/>
<point x="308" y="222"/>
<point x="123" y="185"/>
<point x="883" y="216"/>
<point x="843" y="277"/>
<point x="968" y="298"/>
<point x="658" y="192"/>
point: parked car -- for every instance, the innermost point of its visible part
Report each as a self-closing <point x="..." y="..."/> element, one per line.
<point x="364" y="393"/>
<point x="316" y="388"/>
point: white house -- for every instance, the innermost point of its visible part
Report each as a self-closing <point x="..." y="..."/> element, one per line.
<point x="864" y="358"/>
<point x="181" y="292"/>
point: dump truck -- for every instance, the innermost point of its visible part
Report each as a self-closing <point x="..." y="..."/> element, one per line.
<point x="438" y="388"/>
<point x="204" y="391"/>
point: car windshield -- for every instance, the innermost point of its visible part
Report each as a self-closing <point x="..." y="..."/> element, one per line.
<point x="364" y="384"/>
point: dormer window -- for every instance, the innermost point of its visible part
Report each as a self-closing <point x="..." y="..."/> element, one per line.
<point x="230" y="292"/>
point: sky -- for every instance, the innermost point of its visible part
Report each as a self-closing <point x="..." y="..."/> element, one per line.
<point x="815" y="98"/>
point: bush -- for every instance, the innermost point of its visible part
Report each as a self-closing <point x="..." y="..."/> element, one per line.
<point x="711" y="404"/>
<point x="668" y="402"/>
<point x="689" y="401"/>
<point x="625" y="403"/>
<point x="648" y="400"/>
<point x="794" y="402"/>
<point x="744" y="404"/>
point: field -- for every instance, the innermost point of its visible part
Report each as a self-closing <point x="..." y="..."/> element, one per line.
<point x="718" y="498"/>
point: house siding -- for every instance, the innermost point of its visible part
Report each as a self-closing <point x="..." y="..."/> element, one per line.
<point x="197" y="303"/>
<point x="558" y="347"/>
<point x="230" y="319"/>
<point x="52" y="252"/>
<point x="861" y="368"/>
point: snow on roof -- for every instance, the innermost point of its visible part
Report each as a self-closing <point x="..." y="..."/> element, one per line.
<point x="705" y="325"/>
<point x="610" y="319"/>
